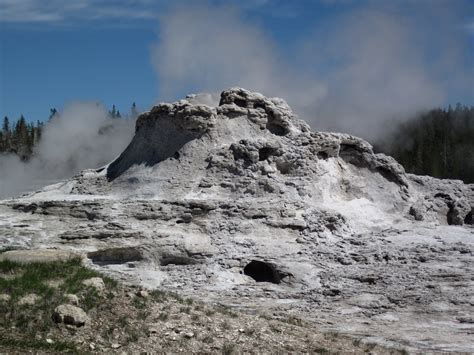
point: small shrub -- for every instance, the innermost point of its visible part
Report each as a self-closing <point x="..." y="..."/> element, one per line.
<point x="163" y="316"/>
<point x="158" y="295"/>
<point x="133" y="334"/>
<point x="209" y="312"/>
<point x="189" y="301"/>
<point x="139" y="303"/>
<point x="274" y="328"/>
<point x="228" y="349"/>
<point x="226" y="325"/>
<point x="320" y="350"/>
<point x="249" y="331"/>
<point x="208" y="339"/>
<point x="186" y="310"/>
<point x="295" y="321"/>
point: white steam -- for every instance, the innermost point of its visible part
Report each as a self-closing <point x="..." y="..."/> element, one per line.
<point x="359" y="74"/>
<point x="81" y="137"/>
<point x="212" y="49"/>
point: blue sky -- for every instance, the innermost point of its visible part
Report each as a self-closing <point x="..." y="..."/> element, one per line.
<point x="119" y="52"/>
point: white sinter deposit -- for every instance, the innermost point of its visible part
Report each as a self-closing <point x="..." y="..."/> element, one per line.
<point x="211" y="201"/>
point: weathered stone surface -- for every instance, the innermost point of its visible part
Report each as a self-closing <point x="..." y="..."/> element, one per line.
<point x="69" y="314"/>
<point x="243" y="204"/>
<point x="4" y="297"/>
<point x="38" y="255"/>
<point x="72" y="299"/>
<point x="28" y="300"/>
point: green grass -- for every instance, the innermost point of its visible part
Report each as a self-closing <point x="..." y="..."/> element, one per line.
<point x="61" y="347"/>
<point x="30" y="320"/>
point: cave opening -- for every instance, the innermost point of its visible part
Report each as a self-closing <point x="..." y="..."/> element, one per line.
<point x="262" y="272"/>
<point x="265" y="153"/>
<point x="469" y="219"/>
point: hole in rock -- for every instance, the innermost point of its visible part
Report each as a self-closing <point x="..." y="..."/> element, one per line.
<point x="276" y="129"/>
<point x="177" y="260"/>
<point x="322" y="155"/>
<point x="259" y="105"/>
<point x="240" y="102"/>
<point x="262" y="272"/>
<point x="115" y="256"/>
<point x="265" y="153"/>
<point x="468" y="219"/>
<point x="176" y="155"/>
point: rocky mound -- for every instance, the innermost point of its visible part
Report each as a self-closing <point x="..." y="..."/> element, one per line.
<point x="243" y="204"/>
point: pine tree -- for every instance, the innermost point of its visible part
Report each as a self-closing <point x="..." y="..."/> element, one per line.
<point x="52" y="113"/>
<point x="113" y="112"/>
<point x="21" y="138"/>
<point x="134" y="111"/>
<point x="6" y="126"/>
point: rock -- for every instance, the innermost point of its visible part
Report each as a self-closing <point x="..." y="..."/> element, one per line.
<point x="72" y="299"/>
<point x="50" y="341"/>
<point x="115" y="345"/>
<point x="38" y="256"/>
<point x="5" y="297"/>
<point x="54" y="283"/>
<point x="143" y="293"/>
<point x="71" y="315"/>
<point x="188" y="335"/>
<point x="29" y="300"/>
<point x="95" y="282"/>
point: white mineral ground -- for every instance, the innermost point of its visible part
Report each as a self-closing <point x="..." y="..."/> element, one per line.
<point x="342" y="236"/>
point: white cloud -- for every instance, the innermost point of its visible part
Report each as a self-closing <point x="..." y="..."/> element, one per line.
<point x="55" y="11"/>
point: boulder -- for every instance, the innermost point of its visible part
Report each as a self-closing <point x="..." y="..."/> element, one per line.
<point x="69" y="314"/>
<point x="95" y="282"/>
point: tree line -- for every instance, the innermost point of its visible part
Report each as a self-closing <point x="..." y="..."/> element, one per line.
<point x="439" y="143"/>
<point x="20" y="137"/>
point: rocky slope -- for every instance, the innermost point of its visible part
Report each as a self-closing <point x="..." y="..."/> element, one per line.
<point x="243" y="204"/>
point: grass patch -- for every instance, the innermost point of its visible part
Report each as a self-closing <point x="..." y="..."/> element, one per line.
<point x="61" y="347"/>
<point x="320" y="350"/>
<point x="30" y="320"/>
<point x="227" y="311"/>
<point x="158" y="295"/>
<point x="189" y="301"/>
<point x="163" y="316"/>
<point x="228" y="349"/>
<point x="139" y="303"/>
<point x="294" y="321"/>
